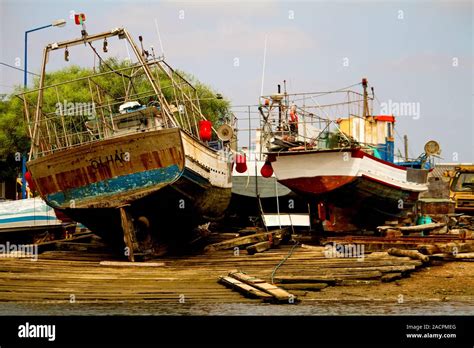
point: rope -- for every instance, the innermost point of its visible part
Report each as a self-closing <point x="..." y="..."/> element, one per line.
<point x="284" y="260"/>
<point x="102" y="61"/>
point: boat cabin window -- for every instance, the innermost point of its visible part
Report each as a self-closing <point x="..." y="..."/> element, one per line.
<point x="139" y="120"/>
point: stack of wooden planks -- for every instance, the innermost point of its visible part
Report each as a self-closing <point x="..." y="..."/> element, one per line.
<point x="252" y="241"/>
<point x="373" y="244"/>
<point x="256" y="288"/>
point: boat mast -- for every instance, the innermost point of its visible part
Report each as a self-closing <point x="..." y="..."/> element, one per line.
<point x="366" y="98"/>
<point x="279" y="110"/>
<point x="405" y="141"/>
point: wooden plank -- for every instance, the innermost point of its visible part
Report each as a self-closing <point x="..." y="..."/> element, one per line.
<point x="246" y="240"/>
<point x="128" y="233"/>
<point x="131" y="264"/>
<point x="245" y="289"/>
<point x="420" y="228"/>
<point x="278" y="293"/>
<point x="258" y="247"/>
<point x="313" y="247"/>
<point x="450" y="257"/>
<point x="249" y="231"/>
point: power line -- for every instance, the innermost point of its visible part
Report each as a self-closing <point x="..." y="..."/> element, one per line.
<point x="14" y="67"/>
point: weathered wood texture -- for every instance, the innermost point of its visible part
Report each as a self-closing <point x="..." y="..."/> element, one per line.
<point x="258" y="247"/>
<point x="247" y="240"/>
<point x="57" y="275"/>
<point x="277" y="293"/>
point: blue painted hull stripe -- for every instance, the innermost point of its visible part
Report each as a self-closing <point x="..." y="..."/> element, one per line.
<point x="116" y="185"/>
<point x="26" y="218"/>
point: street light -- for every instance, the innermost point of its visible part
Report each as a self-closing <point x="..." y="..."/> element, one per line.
<point x="55" y="23"/>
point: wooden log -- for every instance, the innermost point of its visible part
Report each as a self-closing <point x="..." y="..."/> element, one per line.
<point x="225" y="235"/>
<point x="421" y="228"/>
<point x="246" y="240"/>
<point x="129" y="236"/>
<point x="313" y="247"/>
<point x="258" y="247"/>
<point x="428" y="249"/>
<point x="249" y="230"/>
<point x="131" y="264"/>
<point x="244" y="289"/>
<point x="279" y="294"/>
<point x="413" y="254"/>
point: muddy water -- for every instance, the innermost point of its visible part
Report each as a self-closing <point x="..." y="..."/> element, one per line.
<point x="307" y="308"/>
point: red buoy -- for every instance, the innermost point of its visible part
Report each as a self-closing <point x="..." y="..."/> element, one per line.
<point x="29" y="180"/>
<point x="205" y="130"/>
<point x="241" y="163"/>
<point x="267" y="170"/>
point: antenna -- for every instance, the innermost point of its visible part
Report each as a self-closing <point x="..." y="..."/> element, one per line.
<point x="159" y="38"/>
<point x="128" y="51"/>
<point x="264" y="61"/>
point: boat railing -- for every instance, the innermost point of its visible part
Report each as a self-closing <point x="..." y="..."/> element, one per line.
<point x="310" y="121"/>
<point x="57" y="119"/>
<point x="310" y="131"/>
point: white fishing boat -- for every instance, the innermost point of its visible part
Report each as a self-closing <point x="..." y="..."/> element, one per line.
<point x="340" y="156"/>
<point x="27" y="215"/>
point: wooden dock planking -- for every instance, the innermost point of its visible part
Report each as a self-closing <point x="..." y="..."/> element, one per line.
<point x="57" y="275"/>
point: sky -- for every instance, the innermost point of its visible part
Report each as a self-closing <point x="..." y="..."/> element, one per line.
<point x="418" y="52"/>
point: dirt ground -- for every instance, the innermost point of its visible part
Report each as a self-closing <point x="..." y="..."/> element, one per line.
<point x="447" y="281"/>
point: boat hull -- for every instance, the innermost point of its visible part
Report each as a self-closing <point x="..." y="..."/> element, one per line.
<point x="109" y="173"/>
<point x="165" y="178"/>
<point x="360" y="188"/>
